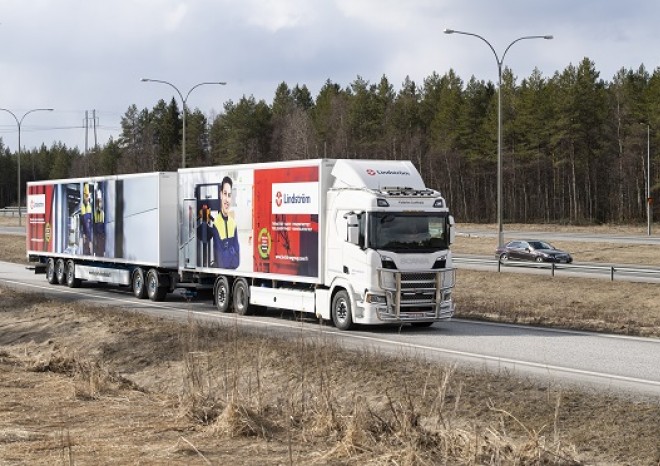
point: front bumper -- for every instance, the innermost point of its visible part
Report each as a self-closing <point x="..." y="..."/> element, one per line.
<point x="411" y="296"/>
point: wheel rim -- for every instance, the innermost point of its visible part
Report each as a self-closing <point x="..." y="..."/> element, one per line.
<point x="341" y="310"/>
<point x="59" y="269"/>
<point x="221" y="295"/>
<point x="70" y="273"/>
<point x="153" y="284"/>
<point x="137" y="283"/>
<point x="50" y="271"/>
<point x="240" y="298"/>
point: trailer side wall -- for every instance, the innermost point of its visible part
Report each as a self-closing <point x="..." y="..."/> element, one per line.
<point x="253" y="220"/>
<point x="125" y="219"/>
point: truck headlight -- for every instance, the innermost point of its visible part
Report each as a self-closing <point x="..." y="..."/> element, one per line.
<point x="375" y="298"/>
<point x="387" y="263"/>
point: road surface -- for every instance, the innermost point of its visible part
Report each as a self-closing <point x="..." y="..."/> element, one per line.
<point x="606" y="362"/>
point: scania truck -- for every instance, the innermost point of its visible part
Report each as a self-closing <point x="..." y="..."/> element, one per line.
<point x="349" y="241"/>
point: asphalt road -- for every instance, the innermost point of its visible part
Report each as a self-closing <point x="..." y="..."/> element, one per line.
<point x="604" y="362"/>
<point x="8" y="230"/>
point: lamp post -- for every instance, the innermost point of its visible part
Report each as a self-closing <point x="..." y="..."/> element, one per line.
<point x="649" y="200"/>
<point x="500" y="231"/>
<point x="183" y="100"/>
<point x="19" y="122"/>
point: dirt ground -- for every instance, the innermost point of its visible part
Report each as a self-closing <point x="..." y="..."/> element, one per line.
<point x="83" y="385"/>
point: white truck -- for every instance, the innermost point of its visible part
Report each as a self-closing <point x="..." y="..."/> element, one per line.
<point x="351" y="241"/>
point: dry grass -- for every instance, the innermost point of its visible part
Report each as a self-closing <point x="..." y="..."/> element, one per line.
<point x="85" y="386"/>
<point x="12" y="248"/>
<point x="582" y="304"/>
<point x="95" y="386"/>
<point x="10" y="221"/>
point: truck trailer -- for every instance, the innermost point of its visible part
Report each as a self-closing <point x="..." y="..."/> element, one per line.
<point x="350" y="241"/>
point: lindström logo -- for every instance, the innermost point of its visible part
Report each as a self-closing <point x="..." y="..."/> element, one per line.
<point x="36" y="204"/>
<point x="372" y="172"/>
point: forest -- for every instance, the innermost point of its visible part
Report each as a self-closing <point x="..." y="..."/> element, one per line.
<point x="574" y="146"/>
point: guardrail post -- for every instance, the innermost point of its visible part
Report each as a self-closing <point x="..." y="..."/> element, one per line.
<point x="499" y="265"/>
<point x="553" y="269"/>
<point x="612" y="273"/>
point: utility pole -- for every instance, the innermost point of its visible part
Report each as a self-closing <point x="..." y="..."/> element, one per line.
<point x="86" y="124"/>
<point x="96" y="144"/>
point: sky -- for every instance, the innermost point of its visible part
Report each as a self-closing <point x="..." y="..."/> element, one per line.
<point x="89" y="55"/>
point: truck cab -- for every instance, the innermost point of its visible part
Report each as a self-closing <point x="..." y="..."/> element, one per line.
<point x="388" y="237"/>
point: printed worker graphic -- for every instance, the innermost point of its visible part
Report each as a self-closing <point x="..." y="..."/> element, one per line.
<point x="99" y="225"/>
<point x="226" y="251"/>
<point x="86" y="220"/>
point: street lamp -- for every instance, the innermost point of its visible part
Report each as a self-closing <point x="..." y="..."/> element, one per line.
<point x="500" y="232"/>
<point x="184" y="100"/>
<point x="649" y="200"/>
<point x="19" y="122"/>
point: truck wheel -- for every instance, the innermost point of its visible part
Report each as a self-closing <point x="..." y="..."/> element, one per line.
<point x="50" y="271"/>
<point x="71" y="280"/>
<point x="241" y="297"/>
<point x="342" y="316"/>
<point x="60" y="272"/>
<point x="221" y="294"/>
<point x="138" y="284"/>
<point x="155" y="290"/>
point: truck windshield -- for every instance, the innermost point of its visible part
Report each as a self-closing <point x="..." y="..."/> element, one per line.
<point x="408" y="232"/>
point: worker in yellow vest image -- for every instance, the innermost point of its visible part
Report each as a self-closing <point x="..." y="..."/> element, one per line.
<point x="226" y="250"/>
<point x="86" y="221"/>
<point x="99" y="225"/>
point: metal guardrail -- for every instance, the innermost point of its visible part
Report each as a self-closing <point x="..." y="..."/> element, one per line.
<point x="11" y="212"/>
<point x="611" y="270"/>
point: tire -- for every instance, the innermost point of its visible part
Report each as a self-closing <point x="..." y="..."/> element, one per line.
<point x="155" y="290"/>
<point x="241" y="297"/>
<point x="421" y="324"/>
<point x="539" y="259"/>
<point x="71" y="280"/>
<point x="342" y="315"/>
<point x="50" y="271"/>
<point x="504" y="257"/>
<point x="60" y="271"/>
<point x="138" y="284"/>
<point x="222" y="294"/>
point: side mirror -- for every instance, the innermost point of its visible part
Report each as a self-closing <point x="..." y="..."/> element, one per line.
<point x="452" y="230"/>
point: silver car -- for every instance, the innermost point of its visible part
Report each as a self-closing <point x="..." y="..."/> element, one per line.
<point x="532" y="250"/>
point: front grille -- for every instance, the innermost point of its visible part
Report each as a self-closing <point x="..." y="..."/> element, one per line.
<point x="418" y="294"/>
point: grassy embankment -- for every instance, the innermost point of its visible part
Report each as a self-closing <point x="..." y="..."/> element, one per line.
<point x="82" y="385"/>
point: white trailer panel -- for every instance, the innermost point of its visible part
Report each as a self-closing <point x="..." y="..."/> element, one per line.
<point x="115" y="219"/>
<point x="258" y="220"/>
